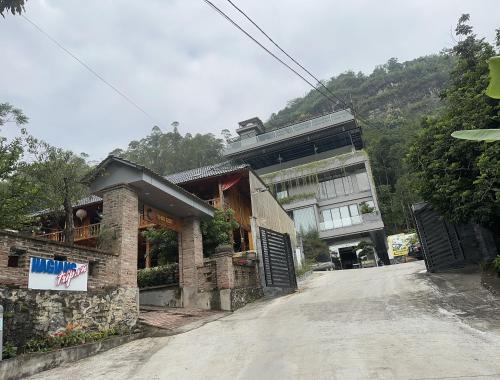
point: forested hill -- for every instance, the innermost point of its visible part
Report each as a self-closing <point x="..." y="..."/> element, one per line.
<point x="393" y="98"/>
<point x="392" y="93"/>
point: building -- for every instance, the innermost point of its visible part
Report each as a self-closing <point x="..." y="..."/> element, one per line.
<point x="321" y="175"/>
<point x="197" y="192"/>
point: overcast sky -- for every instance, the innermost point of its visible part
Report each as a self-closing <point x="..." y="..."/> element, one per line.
<point x="180" y="61"/>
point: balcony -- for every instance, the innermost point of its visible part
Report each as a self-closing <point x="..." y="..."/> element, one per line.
<point x="352" y="225"/>
<point x="288" y="132"/>
<point x="80" y="233"/>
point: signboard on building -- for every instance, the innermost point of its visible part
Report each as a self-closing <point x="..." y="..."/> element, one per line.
<point x="399" y="244"/>
<point x="48" y="274"/>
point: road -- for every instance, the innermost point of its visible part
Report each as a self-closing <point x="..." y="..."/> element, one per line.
<point x="379" y="323"/>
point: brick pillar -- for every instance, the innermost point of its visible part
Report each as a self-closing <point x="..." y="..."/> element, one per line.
<point x="225" y="276"/>
<point x="121" y="218"/>
<point x="225" y="269"/>
<point x="190" y="258"/>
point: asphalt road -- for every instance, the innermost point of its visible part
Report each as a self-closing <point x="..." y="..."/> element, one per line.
<point x="379" y="323"/>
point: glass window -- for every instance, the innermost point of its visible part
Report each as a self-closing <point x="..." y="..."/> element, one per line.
<point x="355" y="217"/>
<point x="327" y="222"/>
<point x="339" y="186"/>
<point x="345" y="216"/>
<point x="337" y="221"/>
<point x="347" y="185"/>
<point x="305" y="219"/>
<point x="363" y="182"/>
<point x="327" y="190"/>
<point x="281" y="191"/>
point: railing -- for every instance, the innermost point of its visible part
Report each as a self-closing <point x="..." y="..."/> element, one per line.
<point x="145" y="222"/>
<point x="215" y="202"/>
<point x="295" y="129"/>
<point x="80" y="233"/>
<point x="351" y="221"/>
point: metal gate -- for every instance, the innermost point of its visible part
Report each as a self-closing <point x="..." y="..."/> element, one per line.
<point x="440" y="241"/>
<point x="279" y="269"/>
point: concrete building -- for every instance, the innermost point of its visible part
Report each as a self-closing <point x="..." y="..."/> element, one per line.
<point x="322" y="177"/>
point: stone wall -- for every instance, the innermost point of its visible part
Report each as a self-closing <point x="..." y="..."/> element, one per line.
<point x="207" y="276"/>
<point x="32" y="314"/>
<point x="241" y="296"/>
<point x="28" y="313"/>
<point x="245" y="276"/>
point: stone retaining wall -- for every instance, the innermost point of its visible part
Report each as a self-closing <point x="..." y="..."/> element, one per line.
<point x="110" y="301"/>
<point x="32" y="314"/>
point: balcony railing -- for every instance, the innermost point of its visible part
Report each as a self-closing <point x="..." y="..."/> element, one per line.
<point x="80" y="233"/>
<point x="351" y="221"/>
<point x="216" y="203"/>
<point x="293" y="130"/>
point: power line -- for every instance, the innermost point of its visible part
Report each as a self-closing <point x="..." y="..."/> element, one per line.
<point x="218" y="10"/>
<point x="288" y="55"/>
<point x="90" y="69"/>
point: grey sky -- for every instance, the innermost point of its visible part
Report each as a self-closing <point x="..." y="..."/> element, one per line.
<point x="179" y="60"/>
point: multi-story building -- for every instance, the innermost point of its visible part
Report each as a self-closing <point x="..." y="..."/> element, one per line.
<point x="321" y="175"/>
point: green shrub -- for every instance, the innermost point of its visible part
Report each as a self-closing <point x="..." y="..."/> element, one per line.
<point x="496" y="263"/>
<point x="71" y="336"/>
<point x="9" y="351"/>
<point x="161" y="275"/>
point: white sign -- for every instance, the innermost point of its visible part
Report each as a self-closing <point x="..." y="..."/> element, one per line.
<point x="48" y="274"/>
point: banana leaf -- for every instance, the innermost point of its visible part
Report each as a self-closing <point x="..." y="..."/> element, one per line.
<point x="478" y="134"/>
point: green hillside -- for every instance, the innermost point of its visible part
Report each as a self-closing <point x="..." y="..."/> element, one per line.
<point x="392" y="99"/>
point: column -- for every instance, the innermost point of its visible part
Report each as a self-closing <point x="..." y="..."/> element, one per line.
<point x="121" y="219"/>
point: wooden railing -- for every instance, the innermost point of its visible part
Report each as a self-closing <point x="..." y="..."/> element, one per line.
<point x="216" y="203"/>
<point x="80" y="233"/>
<point x="145" y="222"/>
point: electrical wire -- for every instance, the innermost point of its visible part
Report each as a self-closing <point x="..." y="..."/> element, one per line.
<point x="90" y="69"/>
<point x="288" y="55"/>
<point x="236" y="25"/>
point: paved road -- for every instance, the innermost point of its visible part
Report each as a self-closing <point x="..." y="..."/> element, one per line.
<point x="379" y="323"/>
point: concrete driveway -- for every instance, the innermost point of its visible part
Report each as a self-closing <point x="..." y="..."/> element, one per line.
<point x="378" y="323"/>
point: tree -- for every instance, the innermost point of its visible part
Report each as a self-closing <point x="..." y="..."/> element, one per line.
<point x="461" y="178"/>
<point x="315" y="249"/>
<point x="218" y="230"/>
<point x="170" y="152"/>
<point x="13" y="6"/>
<point x="59" y="175"/>
<point x="16" y="192"/>
<point x="164" y="245"/>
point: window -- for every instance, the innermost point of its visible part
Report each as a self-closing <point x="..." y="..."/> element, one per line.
<point x="340" y="217"/>
<point x="305" y="219"/>
<point x="92" y="268"/>
<point x="281" y="191"/>
<point x="363" y="182"/>
<point x="13" y="261"/>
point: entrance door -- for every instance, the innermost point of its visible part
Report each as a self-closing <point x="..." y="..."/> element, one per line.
<point x="279" y="269"/>
<point x="348" y="257"/>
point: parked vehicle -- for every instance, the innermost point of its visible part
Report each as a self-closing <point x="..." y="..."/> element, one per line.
<point x="415" y="250"/>
<point x="327" y="266"/>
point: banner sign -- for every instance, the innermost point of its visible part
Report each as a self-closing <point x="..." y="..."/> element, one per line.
<point x="400" y="243"/>
<point x="48" y="274"/>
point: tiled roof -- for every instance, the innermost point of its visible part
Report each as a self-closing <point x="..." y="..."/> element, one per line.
<point x="91" y="199"/>
<point x="226" y="167"/>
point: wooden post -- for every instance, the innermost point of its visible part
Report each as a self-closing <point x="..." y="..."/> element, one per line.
<point x="221" y="196"/>
<point x="148" y="256"/>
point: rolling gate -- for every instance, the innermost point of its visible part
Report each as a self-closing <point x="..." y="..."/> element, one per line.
<point x="277" y="257"/>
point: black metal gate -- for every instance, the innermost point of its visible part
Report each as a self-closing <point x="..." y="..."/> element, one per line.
<point x="279" y="269"/>
<point x="440" y="241"/>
